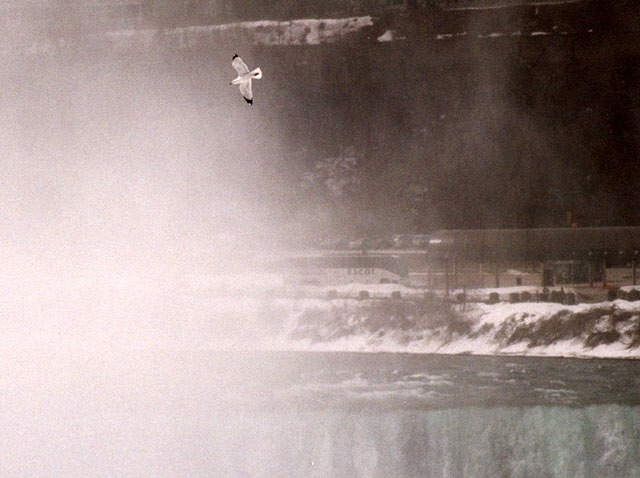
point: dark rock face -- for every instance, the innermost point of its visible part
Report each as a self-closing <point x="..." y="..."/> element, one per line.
<point x="466" y="119"/>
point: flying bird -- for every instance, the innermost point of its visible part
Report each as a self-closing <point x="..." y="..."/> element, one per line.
<point x="244" y="77"/>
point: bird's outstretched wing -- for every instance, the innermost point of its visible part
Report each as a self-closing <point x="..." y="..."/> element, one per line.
<point x="239" y="66"/>
<point x="245" y="90"/>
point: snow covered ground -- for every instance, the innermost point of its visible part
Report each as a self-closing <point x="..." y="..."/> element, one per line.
<point x="260" y="312"/>
<point x="537" y="329"/>
<point x="334" y="319"/>
<point x="309" y="31"/>
<point x="305" y="31"/>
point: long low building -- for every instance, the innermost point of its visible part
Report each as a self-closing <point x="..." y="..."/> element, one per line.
<point x="611" y="244"/>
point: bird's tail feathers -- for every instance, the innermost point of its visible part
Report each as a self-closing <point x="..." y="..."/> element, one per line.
<point x="257" y="73"/>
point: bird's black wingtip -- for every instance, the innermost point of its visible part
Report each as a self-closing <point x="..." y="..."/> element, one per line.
<point x="234" y="57"/>
<point x="250" y="101"/>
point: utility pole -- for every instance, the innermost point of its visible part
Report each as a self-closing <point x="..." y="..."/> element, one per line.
<point x="446" y="275"/>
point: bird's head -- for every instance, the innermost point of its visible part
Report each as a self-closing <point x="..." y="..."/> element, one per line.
<point x="234" y="57"/>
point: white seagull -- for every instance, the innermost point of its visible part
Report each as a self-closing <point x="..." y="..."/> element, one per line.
<point x="244" y="77"/>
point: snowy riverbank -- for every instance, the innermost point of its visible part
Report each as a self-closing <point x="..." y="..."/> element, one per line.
<point x="607" y="330"/>
<point x="209" y="312"/>
<point x="334" y="319"/>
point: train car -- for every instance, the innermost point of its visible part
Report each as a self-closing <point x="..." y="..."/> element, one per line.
<point x="343" y="269"/>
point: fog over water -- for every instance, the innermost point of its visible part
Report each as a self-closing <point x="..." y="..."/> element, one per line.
<point x="111" y="150"/>
<point x="110" y="157"/>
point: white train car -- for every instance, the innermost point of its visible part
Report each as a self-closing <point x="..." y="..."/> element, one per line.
<point x="343" y="269"/>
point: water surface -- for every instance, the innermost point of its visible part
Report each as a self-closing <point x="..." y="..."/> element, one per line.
<point x="318" y="414"/>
